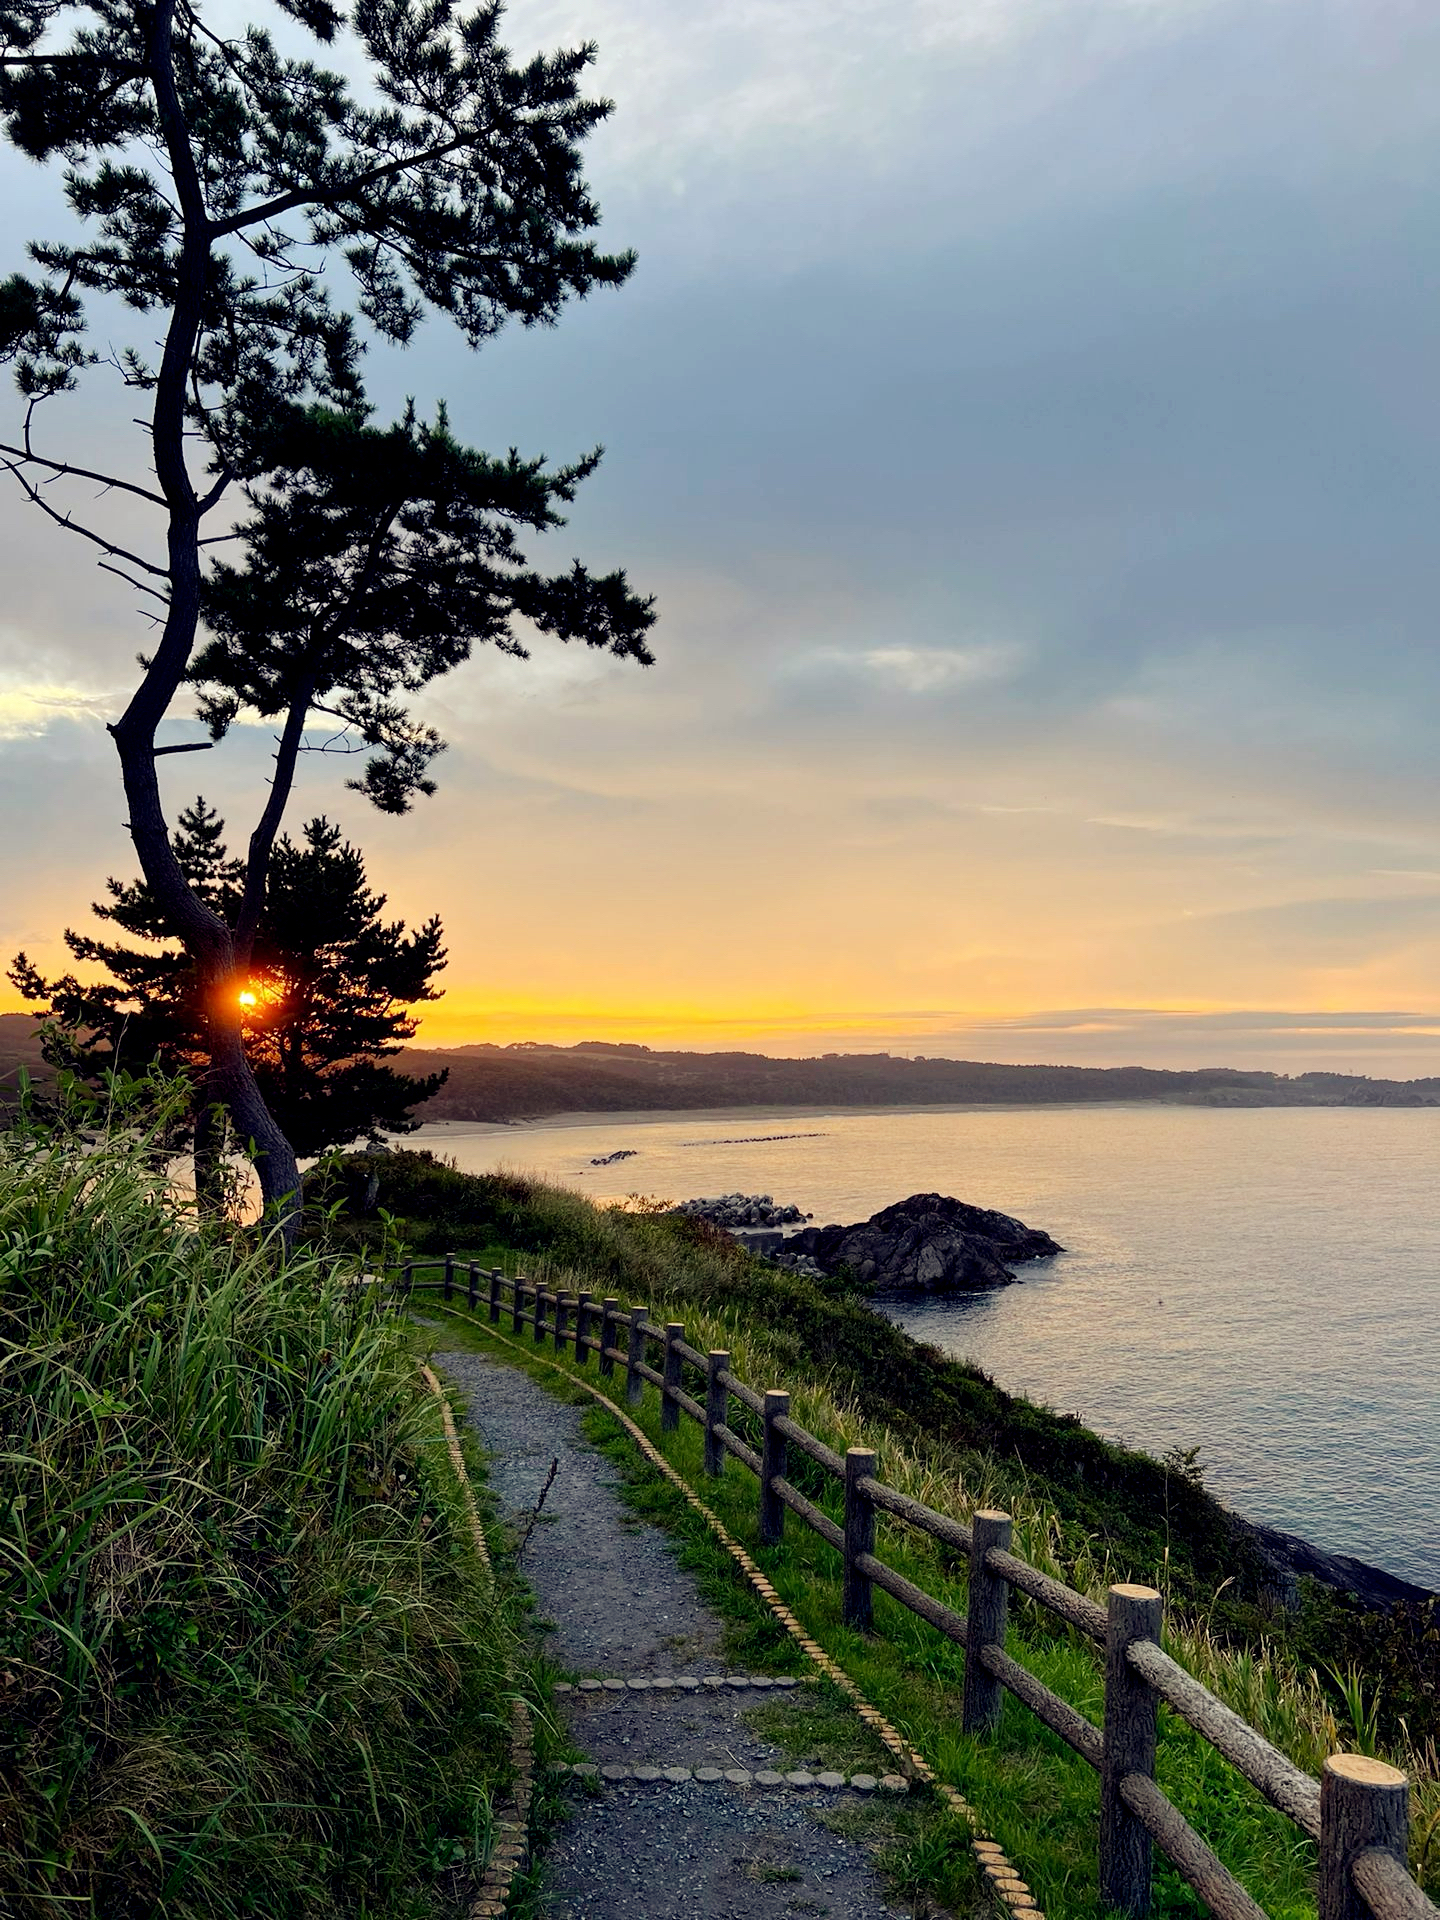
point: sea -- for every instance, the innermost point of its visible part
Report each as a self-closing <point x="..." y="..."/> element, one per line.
<point x="1260" y="1283"/>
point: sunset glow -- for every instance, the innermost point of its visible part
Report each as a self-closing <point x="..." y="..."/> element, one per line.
<point x="1045" y="663"/>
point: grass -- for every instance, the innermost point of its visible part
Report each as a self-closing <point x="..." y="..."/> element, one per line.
<point x="250" y="1664"/>
<point x="1040" y="1800"/>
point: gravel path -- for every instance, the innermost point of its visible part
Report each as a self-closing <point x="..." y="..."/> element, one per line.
<point x="619" y="1604"/>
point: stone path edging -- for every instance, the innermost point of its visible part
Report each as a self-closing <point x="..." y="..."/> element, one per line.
<point x="767" y="1778"/>
<point x="511" y="1851"/>
<point x="1002" y="1878"/>
<point x="684" y="1683"/>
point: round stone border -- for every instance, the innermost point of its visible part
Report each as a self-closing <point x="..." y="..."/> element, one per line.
<point x="615" y="1773"/>
<point x="683" y="1683"/>
<point x="1001" y="1877"/>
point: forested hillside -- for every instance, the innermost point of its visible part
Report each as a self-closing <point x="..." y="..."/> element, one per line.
<point x="527" y="1081"/>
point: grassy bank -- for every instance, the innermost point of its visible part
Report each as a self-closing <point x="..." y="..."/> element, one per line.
<point x="249" y="1663"/>
<point x="1312" y="1677"/>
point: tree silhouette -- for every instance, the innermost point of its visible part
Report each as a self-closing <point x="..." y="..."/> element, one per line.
<point x="327" y="997"/>
<point x="222" y="186"/>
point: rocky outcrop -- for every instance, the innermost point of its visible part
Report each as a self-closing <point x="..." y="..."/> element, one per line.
<point x="742" y="1210"/>
<point x="928" y="1244"/>
<point x="1290" y="1559"/>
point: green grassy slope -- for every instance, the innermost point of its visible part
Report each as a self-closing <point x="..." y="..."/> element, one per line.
<point x="248" y="1661"/>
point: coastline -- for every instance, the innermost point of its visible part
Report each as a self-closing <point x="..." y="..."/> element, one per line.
<point x="1291" y="1554"/>
<point x="654" y="1116"/>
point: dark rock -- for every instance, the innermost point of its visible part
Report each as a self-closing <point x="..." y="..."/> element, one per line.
<point x="733" y="1210"/>
<point x="929" y="1244"/>
<point x="1290" y="1558"/>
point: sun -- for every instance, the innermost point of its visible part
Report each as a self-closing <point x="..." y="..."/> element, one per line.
<point x="248" y="999"/>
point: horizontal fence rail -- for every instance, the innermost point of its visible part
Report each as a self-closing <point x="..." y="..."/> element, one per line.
<point x="1357" y="1814"/>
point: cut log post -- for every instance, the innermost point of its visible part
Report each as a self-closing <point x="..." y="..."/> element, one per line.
<point x="635" y="1351"/>
<point x="717" y="1411"/>
<point x="472" y="1285"/>
<point x="669" y="1405"/>
<point x="988" y="1613"/>
<point x="1364" y="1804"/>
<point x="859" y="1604"/>
<point x="407" y="1278"/>
<point x="582" y="1329"/>
<point x="496" y="1275"/>
<point x="774" y="1465"/>
<point x="543" y="1299"/>
<point x="1131" y="1711"/>
<point x="562" y="1322"/>
<point x="449" y="1275"/>
<point x="517" y="1304"/>
<point x="607" y="1336"/>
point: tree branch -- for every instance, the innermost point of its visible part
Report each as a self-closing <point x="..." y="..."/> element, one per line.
<point x="262" y="840"/>
<point x="188" y="746"/>
<point x="66" y="471"/>
<point x="139" y="585"/>
<point x="346" y="190"/>
<point x="73" y="526"/>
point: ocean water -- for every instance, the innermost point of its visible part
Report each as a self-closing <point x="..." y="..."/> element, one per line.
<point x="1263" y="1284"/>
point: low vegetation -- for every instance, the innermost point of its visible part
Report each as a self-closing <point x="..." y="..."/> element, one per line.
<point x="248" y="1660"/>
<point x="1313" y="1677"/>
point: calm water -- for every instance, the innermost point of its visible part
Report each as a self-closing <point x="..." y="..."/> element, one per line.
<point x="1262" y="1284"/>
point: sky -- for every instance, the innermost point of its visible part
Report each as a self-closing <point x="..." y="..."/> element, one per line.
<point x="1026" y="415"/>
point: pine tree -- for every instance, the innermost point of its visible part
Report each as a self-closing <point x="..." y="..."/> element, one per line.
<point x="327" y="996"/>
<point x="223" y="185"/>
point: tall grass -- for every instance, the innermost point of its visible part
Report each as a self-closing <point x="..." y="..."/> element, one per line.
<point x="247" y="1662"/>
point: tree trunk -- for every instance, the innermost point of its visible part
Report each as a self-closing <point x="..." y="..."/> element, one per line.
<point x="234" y="1085"/>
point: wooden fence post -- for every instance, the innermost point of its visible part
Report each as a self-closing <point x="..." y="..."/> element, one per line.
<point x="634" y="1383"/>
<point x="1134" y="1613"/>
<point x="496" y="1275"/>
<point x="582" y="1329"/>
<point x="607" y="1335"/>
<point x="717" y="1410"/>
<point x="988" y="1614"/>
<point x="517" y="1304"/>
<point x="543" y="1299"/>
<point x="562" y="1322"/>
<point x="669" y="1405"/>
<point x="1363" y="1804"/>
<point x="407" y="1278"/>
<point x="472" y="1285"/>
<point x="774" y="1465"/>
<point x="859" y="1605"/>
<point x="449" y="1275"/>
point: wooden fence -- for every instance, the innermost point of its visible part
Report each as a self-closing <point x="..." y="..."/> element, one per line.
<point x="1357" y="1813"/>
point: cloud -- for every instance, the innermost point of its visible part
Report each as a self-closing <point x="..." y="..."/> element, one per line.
<point x="929" y="669"/>
<point x="1025" y="415"/>
<point x="26" y="712"/>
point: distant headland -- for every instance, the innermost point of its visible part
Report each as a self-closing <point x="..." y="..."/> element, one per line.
<point x="532" y="1081"/>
